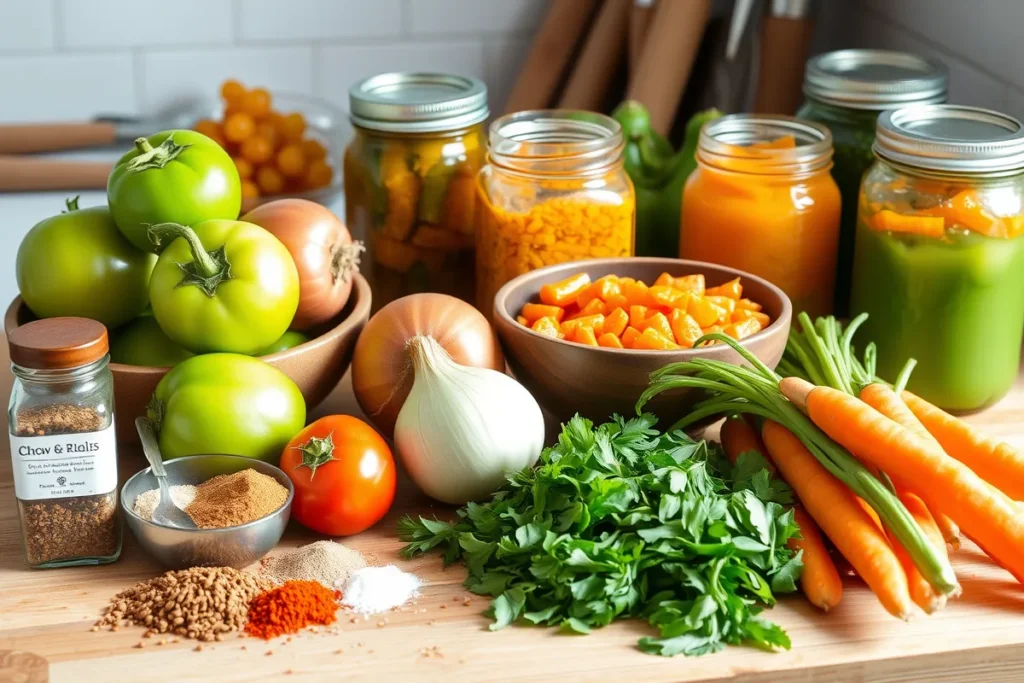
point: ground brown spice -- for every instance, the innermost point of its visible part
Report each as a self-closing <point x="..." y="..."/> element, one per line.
<point x="65" y="528"/>
<point x="233" y="499"/>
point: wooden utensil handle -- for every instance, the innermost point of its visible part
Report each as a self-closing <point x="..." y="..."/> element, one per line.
<point x="18" y="174"/>
<point x="22" y="138"/>
<point x="601" y="55"/>
<point x="785" y="44"/>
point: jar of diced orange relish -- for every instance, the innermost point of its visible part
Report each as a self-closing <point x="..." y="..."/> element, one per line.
<point x="410" y="178"/>
<point x="553" y="190"/>
<point x="762" y="200"/>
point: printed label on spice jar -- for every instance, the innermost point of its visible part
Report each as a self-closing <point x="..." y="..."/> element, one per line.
<point x="64" y="465"/>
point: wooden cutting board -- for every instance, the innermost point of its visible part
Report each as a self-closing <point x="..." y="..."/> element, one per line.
<point x="444" y="637"/>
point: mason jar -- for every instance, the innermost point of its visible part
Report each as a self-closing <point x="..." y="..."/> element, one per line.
<point x="63" y="448"/>
<point x="939" y="265"/>
<point x="410" y="173"/>
<point x="554" y="189"/>
<point x="761" y="200"/>
<point x="846" y="90"/>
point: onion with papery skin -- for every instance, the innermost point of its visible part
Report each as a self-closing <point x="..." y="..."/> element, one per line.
<point x="381" y="367"/>
<point x="324" y="253"/>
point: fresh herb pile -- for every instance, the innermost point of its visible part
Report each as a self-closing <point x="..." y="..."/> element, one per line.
<point x="624" y="521"/>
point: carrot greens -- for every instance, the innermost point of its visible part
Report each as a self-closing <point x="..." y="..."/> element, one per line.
<point x="620" y="521"/>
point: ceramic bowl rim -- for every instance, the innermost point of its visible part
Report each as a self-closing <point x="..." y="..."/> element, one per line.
<point x="360" y="310"/>
<point x="286" y="505"/>
<point x="503" y="294"/>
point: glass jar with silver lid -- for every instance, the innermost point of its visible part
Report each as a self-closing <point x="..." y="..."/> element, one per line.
<point x="410" y="180"/>
<point x="846" y="90"/>
<point x="939" y="262"/>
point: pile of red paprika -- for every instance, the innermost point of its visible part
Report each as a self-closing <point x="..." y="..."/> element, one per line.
<point x="291" y="607"/>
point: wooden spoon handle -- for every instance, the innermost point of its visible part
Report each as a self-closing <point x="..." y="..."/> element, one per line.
<point x="19" y="174"/>
<point x="23" y="138"/>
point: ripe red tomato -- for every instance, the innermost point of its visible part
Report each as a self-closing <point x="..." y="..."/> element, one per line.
<point x="344" y="475"/>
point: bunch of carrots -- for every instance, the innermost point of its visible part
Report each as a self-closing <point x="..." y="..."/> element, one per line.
<point x="625" y="313"/>
<point x="889" y="478"/>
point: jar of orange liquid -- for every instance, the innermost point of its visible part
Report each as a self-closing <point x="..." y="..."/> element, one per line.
<point x="762" y="200"/>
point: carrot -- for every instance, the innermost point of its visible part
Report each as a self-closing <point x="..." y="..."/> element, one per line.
<point x="534" y="312"/>
<point x="522" y="321"/>
<point x="836" y="510"/>
<point x="884" y="400"/>
<point x="926" y="597"/>
<point x="732" y="289"/>
<point x="546" y="326"/>
<point x="998" y="463"/>
<point x="592" y="307"/>
<point x="596" y="322"/>
<point x="684" y="328"/>
<point x="637" y="315"/>
<point x="703" y="311"/>
<point x="610" y="341"/>
<point x="942" y="482"/>
<point x="601" y="289"/>
<point x="630" y="336"/>
<point x="664" y="280"/>
<point x="616" y="322"/>
<point x="659" y="323"/>
<point x="694" y="284"/>
<point x="565" y="291"/>
<point x="820" y="580"/>
<point x="585" y="335"/>
<point x="636" y="293"/>
<point x="651" y="339"/>
<point x="744" y="329"/>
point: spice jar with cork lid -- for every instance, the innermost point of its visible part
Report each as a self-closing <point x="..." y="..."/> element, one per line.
<point x="63" y="448"/>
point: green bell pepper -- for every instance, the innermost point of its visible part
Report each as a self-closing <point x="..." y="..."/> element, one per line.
<point x="658" y="174"/>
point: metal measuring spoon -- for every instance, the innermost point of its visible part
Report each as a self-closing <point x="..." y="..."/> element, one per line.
<point x="166" y="512"/>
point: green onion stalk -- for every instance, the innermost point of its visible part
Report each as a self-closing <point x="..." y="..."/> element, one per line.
<point x="755" y="390"/>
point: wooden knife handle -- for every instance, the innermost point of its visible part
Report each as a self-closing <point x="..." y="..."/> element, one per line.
<point x="602" y="53"/>
<point x="19" y="174"/>
<point x="785" y="44"/>
<point x="24" y="138"/>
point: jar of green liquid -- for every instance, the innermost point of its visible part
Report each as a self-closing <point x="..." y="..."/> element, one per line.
<point x="939" y="262"/>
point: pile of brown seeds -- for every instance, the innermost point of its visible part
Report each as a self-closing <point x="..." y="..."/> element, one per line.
<point x="203" y="603"/>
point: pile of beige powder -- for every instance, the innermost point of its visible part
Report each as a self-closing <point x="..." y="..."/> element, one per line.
<point x="325" y="562"/>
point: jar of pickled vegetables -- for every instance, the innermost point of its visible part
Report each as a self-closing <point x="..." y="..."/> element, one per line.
<point x="762" y="200"/>
<point x="846" y="90"/>
<point x="410" y="173"/>
<point x="939" y="264"/>
<point x="553" y="190"/>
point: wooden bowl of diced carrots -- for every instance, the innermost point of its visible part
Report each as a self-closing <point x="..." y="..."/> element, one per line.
<point x="584" y="336"/>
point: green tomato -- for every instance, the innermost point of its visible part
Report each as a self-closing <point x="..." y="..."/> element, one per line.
<point x="79" y="264"/>
<point x="177" y="176"/>
<point x="288" y="340"/>
<point x="223" y="286"/>
<point x="142" y="342"/>
<point x="226" y="403"/>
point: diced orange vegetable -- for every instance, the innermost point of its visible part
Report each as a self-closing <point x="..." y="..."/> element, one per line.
<point x="703" y="311"/>
<point x="667" y="296"/>
<point x="564" y="292"/>
<point x="724" y="302"/>
<point x="585" y="335"/>
<point x="785" y="142"/>
<point x="748" y="305"/>
<point x="652" y="340"/>
<point x="664" y="280"/>
<point x="614" y="301"/>
<point x="659" y="323"/>
<point x="534" y="312"/>
<point x="601" y="289"/>
<point x="637" y="316"/>
<point x="522" y="321"/>
<point x="593" y="307"/>
<point x="743" y="329"/>
<point x="636" y="293"/>
<point x="965" y="210"/>
<point x="615" y="322"/>
<point x="610" y="341"/>
<point x="630" y="336"/>
<point x="741" y="314"/>
<point x="595" y="322"/>
<point x="546" y="326"/>
<point x="690" y="283"/>
<point x="685" y="329"/>
<point x="732" y="289"/>
<point x="929" y="226"/>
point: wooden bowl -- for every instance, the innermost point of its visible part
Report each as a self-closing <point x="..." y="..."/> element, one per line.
<point x="568" y="378"/>
<point x="316" y="366"/>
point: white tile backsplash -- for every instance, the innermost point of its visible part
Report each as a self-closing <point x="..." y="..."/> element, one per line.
<point x="174" y="75"/>
<point x="142" y="23"/>
<point x="66" y="86"/>
<point x="274" y="20"/>
<point x="26" y="25"/>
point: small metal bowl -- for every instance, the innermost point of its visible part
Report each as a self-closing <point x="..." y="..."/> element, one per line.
<point x="234" y="546"/>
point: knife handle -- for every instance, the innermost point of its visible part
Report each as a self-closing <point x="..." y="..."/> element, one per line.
<point x="19" y="174"/>
<point x="23" y="138"/>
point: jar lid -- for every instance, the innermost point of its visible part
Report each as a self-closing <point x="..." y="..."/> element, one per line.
<point x="58" y="343"/>
<point x="947" y="137"/>
<point x="875" y="79"/>
<point x="407" y="102"/>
